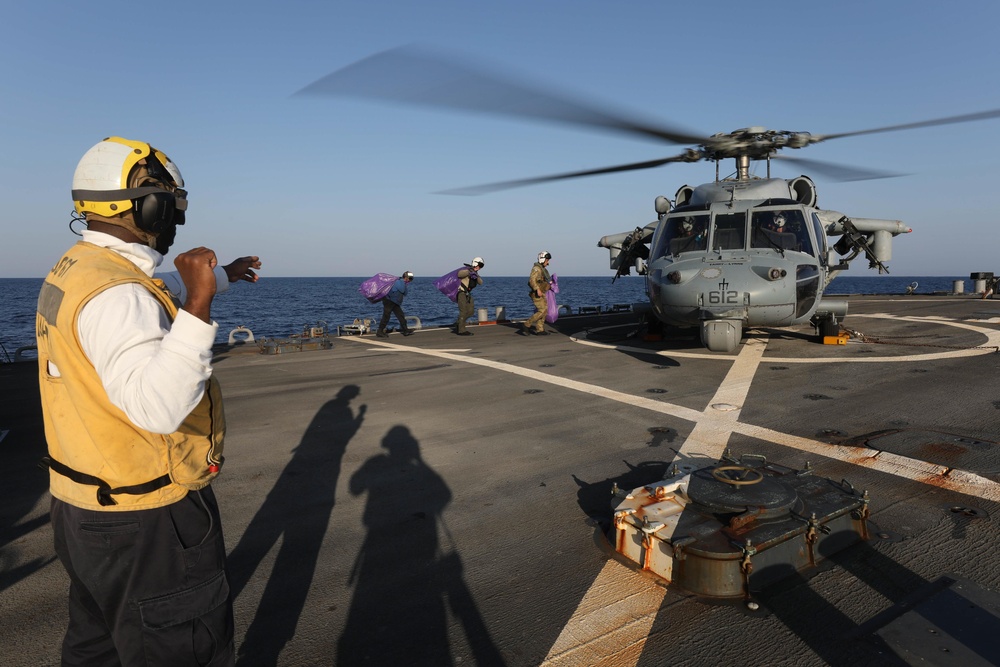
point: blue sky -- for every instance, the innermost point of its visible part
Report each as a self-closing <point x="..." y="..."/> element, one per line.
<point x="325" y="186"/>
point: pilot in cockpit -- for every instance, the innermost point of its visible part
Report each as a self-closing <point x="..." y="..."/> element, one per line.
<point x="690" y="227"/>
<point x="777" y="223"/>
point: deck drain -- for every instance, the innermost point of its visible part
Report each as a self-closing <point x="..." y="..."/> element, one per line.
<point x="779" y="368"/>
<point x="970" y="512"/>
<point x="656" y="390"/>
<point x="816" y="397"/>
<point x="546" y="365"/>
<point x="533" y="391"/>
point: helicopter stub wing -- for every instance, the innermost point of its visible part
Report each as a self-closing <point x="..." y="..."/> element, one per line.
<point x="870" y="236"/>
<point x="628" y="249"/>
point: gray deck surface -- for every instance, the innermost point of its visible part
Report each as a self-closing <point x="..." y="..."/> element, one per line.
<point x="437" y="500"/>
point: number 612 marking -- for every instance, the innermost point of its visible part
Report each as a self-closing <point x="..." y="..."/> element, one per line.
<point x="729" y="298"/>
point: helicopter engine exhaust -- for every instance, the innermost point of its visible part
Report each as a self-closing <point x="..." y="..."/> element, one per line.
<point x="683" y="195"/>
<point x="803" y="190"/>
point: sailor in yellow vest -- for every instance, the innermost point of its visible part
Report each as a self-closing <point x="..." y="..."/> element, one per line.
<point x="134" y="421"/>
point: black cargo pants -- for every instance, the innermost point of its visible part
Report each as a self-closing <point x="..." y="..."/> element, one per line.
<point x="147" y="587"/>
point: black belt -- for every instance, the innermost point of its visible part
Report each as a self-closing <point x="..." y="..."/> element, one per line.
<point x="104" y="490"/>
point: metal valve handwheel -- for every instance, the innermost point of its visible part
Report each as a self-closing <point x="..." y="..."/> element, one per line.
<point x="741" y="480"/>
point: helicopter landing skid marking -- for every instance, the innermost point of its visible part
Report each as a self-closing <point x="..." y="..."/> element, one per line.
<point x="992" y="341"/>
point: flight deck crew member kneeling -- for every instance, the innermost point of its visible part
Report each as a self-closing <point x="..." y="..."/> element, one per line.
<point x="468" y="280"/>
<point x="134" y="421"/>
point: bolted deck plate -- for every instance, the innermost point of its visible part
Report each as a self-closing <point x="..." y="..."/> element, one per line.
<point x="949" y="621"/>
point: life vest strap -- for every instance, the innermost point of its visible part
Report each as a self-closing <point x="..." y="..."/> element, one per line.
<point x="104" y="490"/>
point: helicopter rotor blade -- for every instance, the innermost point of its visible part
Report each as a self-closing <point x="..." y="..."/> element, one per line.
<point x="837" y="172"/>
<point x="487" y="188"/>
<point x="416" y="76"/>
<point x="950" y="120"/>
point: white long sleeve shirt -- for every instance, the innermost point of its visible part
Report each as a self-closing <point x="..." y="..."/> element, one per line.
<point x="154" y="371"/>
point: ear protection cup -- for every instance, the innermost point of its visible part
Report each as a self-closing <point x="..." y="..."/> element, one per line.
<point x="154" y="212"/>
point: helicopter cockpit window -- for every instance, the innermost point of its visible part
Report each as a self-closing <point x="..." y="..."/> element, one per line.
<point x="780" y="230"/>
<point x="730" y="232"/>
<point x="682" y="234"/>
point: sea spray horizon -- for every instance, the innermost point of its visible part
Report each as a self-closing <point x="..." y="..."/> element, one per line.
<point x="280" y="307"/>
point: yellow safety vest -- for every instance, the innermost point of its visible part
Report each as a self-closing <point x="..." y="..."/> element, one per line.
<point x="91" y="441"/>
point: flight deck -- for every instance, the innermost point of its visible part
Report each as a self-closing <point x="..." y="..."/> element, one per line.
<point x="446" y="500"/>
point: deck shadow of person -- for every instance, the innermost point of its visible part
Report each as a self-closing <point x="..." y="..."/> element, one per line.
<point x="297" y="512"/>
<point x="403" y="582"/>
<point x="24" y="482"/>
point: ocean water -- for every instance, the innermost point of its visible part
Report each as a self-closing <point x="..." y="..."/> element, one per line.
<point x="280" y="307"/>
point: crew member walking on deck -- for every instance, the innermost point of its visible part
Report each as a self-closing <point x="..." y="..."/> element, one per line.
<point x="539" y="282"/>
<point x="392" y="303"/>
<point x="468" y="280"/>
<point x="134" y="421"/>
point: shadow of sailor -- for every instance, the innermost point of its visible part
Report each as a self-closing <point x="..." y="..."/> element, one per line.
<point x="297" y="513"/>
<point x="403" y="584"/>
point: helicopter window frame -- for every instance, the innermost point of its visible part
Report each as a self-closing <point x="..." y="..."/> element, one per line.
<point x="732" y="234"/>
<point x="821" y="237"/>
<point x="673" y="240"/>
<point x="797" y="238"/>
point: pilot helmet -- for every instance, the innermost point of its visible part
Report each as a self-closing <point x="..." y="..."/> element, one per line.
<point x="779" y="219"/>
<point x="687" y="224"/>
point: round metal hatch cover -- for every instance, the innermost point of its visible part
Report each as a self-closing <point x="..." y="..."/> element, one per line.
<point x="768" y="496"/>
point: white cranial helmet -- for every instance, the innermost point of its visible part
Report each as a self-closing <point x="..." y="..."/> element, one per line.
<point x="543" y="255"/>
<point x="478" y="262"/>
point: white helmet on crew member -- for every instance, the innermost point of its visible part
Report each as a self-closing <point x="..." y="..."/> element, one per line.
<point x="478" y="263"/>
<point x="118" y="176"/>
<point x="544" y="255"/>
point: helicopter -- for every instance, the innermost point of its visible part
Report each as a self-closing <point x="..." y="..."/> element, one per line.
<point x="741" y="251"/>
